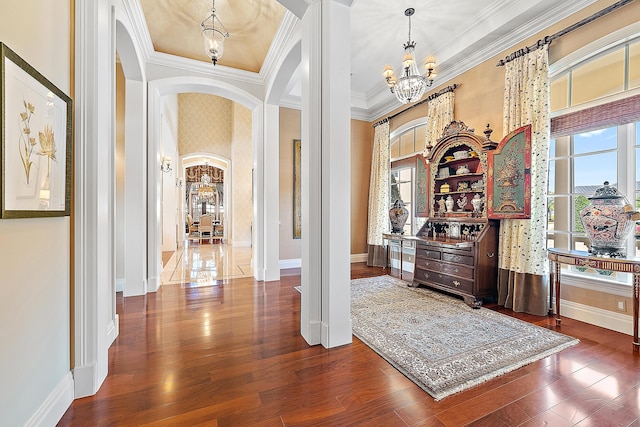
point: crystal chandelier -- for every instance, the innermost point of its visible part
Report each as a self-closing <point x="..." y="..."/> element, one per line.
<point x="214" y="34"/>
<point x="411" y="85"/>
<point x="205" y="190"/>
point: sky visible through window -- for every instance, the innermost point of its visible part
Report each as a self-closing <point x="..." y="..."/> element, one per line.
<point x="591" y="169"/>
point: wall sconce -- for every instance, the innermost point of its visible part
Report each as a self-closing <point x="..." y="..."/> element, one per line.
<point x="165" y="166"/>
<point x="178" y="182"/>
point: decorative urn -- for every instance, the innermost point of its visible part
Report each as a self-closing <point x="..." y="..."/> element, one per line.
<point x="608" y="220"/>
<point x="449" y="203"/>
<point x="398" y="215"/>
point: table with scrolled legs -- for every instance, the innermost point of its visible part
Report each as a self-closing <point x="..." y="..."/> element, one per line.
<point x="557" y="257"/>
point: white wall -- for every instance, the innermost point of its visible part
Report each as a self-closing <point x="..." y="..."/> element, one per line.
<point x="35" y="262"/>
<point x="171" y="227"/>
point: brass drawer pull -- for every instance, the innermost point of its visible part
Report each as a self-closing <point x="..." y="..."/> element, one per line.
<point x="426" y="275"/>
<point x="490" y="254"/>
<point x="456" y="283"/>
<point x="456" y="270"/>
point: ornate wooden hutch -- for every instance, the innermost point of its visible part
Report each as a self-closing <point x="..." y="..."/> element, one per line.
<point x="457" y="248"/>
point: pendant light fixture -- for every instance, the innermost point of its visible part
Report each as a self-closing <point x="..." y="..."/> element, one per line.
<point x="214" y="34"/>
<point x="411" y="85"/>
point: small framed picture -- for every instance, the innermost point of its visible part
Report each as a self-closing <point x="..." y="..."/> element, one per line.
<point x="36" y="142"/>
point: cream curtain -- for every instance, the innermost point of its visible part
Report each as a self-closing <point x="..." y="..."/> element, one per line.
<point x="523" y="282"/>
<point x="378" y="219"/>
<point x="439" y="115"/>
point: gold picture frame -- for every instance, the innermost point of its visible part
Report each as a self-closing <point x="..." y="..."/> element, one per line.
<point x="297" y="190"/>
<point x="36" y="142"/>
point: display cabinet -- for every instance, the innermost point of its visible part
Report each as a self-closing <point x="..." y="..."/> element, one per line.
<point x="457" y="247"/>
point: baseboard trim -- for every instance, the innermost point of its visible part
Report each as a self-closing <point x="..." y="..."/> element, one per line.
<point x="290" y="263"/>
<point x="152" y="284"/>
<point x="55" y="405"/>
<point x="113" y="329"/>
<point x="84" y="381"/>
<point x="596" y="316"/>
<point x="120" y="285"/>
<point x="359" y="257"/>
<point x="297" y="262"/>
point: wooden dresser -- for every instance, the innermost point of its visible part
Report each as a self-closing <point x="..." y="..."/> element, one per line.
<point x="463" y="267"/>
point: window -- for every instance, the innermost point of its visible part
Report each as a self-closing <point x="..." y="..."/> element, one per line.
<point x="406" y="142"/>
<point x="594" y="144"/>
<point x="402" y="188"/>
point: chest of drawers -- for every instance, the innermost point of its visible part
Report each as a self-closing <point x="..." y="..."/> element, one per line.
<point x="467" y="268"/>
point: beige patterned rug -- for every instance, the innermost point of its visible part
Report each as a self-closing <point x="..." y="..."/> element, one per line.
<point x="438" y="341"/>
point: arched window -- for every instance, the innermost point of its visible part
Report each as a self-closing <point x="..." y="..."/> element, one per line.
<point x="595" y="136"/>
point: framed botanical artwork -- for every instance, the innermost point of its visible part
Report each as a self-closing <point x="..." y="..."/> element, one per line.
<point x="509" y="176"/>
<point x="422" y="189"/>
<point x="297" y="191"/>
<point x="36" y="142"/>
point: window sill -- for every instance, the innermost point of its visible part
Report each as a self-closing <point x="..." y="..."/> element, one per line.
<point x="597" y="284"/>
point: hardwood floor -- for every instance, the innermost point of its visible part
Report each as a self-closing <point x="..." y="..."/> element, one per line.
<point x="231" y="354"/>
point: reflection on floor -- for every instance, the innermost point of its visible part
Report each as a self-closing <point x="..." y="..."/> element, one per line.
<point x="207" y="264"/>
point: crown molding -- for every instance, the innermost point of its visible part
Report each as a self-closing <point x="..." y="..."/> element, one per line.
<point x="453" y="67"/>
<point x="141" y="35"/>
<point x="288" y="33"/>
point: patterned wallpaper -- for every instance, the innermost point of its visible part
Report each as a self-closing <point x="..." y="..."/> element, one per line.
<point x="214" y="125"/>
<point x="242" y="160"/>
<point x="205" y="124"/>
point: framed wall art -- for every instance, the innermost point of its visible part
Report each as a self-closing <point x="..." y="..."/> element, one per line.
<point x="509" y="177"/>
<point x="422" y="189"/>
<point x="36" y="142"/>
<point x="297" y="191"/>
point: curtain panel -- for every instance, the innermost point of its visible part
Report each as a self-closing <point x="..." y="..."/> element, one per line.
<point x="378" y="216"/>
<point x="523" y="281"/>
<point x="439" y="115"/>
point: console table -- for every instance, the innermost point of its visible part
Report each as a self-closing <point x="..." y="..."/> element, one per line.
<point x="557" y="257"/>
<point x="401" y="238"/>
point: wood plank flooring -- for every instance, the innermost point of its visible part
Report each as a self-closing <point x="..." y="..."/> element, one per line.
<point x="231" y="355"/>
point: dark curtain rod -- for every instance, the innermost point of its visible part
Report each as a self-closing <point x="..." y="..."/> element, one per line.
<point x="427" y="99"/>
<point x="548" y="39"/>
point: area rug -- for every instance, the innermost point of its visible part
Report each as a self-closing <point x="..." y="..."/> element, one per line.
<point x="439" y="342"/>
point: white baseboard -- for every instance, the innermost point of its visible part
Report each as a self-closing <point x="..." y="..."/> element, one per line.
<point x="119" y="285"/>
<point x="359" y="257"/>
<point x="113" y="329"/>
<point x="297" y="262"/>
<point x="55" y="405"/>
<point x="84" y="378"/>
<point x="290" y="263"/>
<point x="152" y="284"/>
<point x="618" y="322"/>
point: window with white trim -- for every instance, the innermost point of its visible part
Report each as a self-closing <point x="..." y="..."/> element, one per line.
<point x="595" y="134"/>
<point x="404" y="146"/>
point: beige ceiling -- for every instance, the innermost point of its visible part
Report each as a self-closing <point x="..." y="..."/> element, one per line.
<point x="459" y="33"/>
<point x="174" y="26"/>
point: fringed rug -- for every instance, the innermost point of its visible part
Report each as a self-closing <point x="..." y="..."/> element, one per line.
<point x="438" y="341"/>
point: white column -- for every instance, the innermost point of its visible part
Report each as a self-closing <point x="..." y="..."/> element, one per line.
<point x="326" y="119"/>
<point x="95" y="321"/>
<point x="154" y="192"/>
<point x="272" y="192"/>
<point x="135" y="209"/>
<point x="259" y="216"/>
